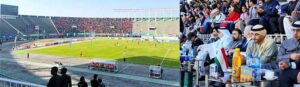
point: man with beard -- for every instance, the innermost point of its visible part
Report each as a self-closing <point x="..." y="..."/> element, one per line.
<point x="265" y="49"/>
<point x="289" y="52"/>
<point x="238" y="42"/>
<point x="262" y="46"/>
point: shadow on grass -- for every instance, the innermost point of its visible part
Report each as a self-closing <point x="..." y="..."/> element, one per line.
<point x="152" y="60"/>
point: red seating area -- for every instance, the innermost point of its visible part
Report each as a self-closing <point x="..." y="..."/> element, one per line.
<point x="98" y="25"/>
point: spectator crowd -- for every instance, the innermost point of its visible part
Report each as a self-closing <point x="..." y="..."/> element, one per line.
<point x="205" y="15"/>
<point x="244" y="24"/>
<point x="97" y="25"/>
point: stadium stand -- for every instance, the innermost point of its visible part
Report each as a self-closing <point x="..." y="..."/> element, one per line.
<point x="8" y="32"/>
<point x="31" y="26"/>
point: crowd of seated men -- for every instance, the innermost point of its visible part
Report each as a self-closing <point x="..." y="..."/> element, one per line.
<point x="245" y="24"/>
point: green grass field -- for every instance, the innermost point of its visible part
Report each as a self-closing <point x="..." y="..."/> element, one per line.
<point x="137" y="52"/>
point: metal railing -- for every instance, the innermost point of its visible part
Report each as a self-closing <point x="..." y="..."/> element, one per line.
<point x="278" y="38"/>
<point x="4" y="82"/>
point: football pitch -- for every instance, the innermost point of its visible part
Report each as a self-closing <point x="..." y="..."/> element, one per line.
<point x="135" y="51"/>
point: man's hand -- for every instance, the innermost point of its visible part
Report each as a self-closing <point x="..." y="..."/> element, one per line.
<point x="260" y="10"/>
<point x="294" y="13"/>
<point x="298" y="78"/>
<point x="283" y="65"/>
<point x="295" y="56"/>
<point x="230" y="52"/>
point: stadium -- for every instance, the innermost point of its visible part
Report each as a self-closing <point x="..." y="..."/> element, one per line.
<point x="120" y="50"/>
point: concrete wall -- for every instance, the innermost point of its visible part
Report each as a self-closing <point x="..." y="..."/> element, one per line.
<point x="163" y="26"/>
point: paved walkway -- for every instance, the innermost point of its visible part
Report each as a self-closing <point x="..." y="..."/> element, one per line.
<point x="118" y="75"/>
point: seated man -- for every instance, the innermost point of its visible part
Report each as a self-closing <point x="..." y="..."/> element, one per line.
<point x="286" y="10"/>
<point x="290" y="74"/>
<point x="295" y="13"/>
<point x="213" y="49"/>
<point x="261" y="46"/>
<point x="264" y="48"/>
<point x="253" y="15"/>
<point x="238" y="42"/>
<point x="269" y="16"/>
<point x="195" y="42"/>
<point x="217" y="17"/>
<point x="289" y="52"/>
<point x="206" y="24"/>
<point x="248" y="37"/>
<point x="214" y="36"/>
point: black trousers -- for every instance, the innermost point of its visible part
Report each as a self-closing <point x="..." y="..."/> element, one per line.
<point x="270" y="23"/>
<point x="280" y="25"/>
<point x="288" y="77"/>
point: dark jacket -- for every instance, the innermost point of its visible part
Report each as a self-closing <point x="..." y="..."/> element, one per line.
<point x="244" y="44"/>
<point x="270" y="9"/>
<point x="55" y="81"/>
<point x="82" y="84"/>
<point x="197" y="43"/>
<point x="66" y="81"/>
<point x="288" y="8"/>
<point x="224" y="9"/>
<point x="94" y="83"/>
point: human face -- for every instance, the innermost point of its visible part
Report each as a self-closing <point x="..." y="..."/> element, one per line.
<point x="267" y="0"/>
<point x="215" y="32"/>
<point x="235" y="35"/>
<point x="224" y="4"/>
<point x="193" y="39"/>
<point x="251" y="4"/>
<point x="231" y="9"/>
<point x="257" y="38"/>
<point x="247" y="34"/>
<point x="218" y="11"/>
<point x="244" y="9"/>
<point x="296" y="33"/>
<point x="196" y="17"/>
<point x="260" y="2"/>
<point x="236" y="1"/>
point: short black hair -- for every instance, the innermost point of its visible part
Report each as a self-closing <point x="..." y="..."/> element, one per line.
<point x="64" y="70"/>
<point x="82" y="79"/>
<point x="216" y="29"/>
<point x="191" y="34"/>
<point x="201" y="13"/>
<point x="95" y="76"/>
<point x="197" y="16"/>
<point x="100" y="80"/>
<point x="253" y="1"/>
<point x="54" y="70"/>
<point x="224" y="0"/>
<point x="238" y="30"/>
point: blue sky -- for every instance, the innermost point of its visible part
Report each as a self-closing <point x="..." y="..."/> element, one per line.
<point x="96" y="8"/>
